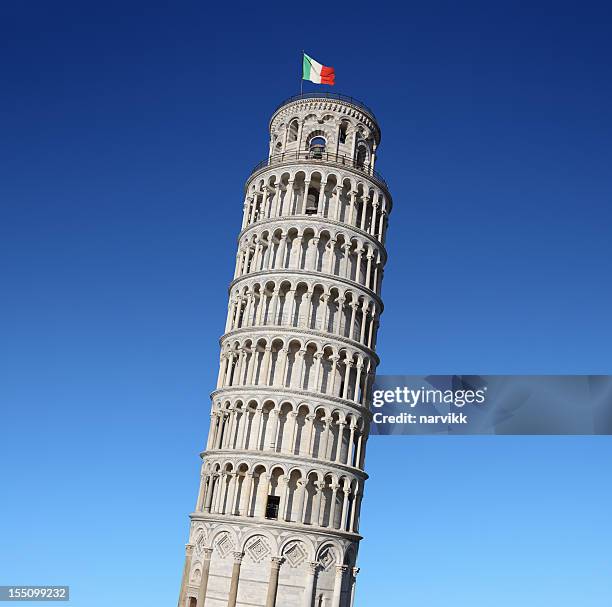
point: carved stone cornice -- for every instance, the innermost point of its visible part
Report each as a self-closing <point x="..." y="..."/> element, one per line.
<point x="274" y="331"/>
<point x="315" y="276"/>
<point x="293" y="395"/>
<point x="312" y="463"/>
<point x="312" y="221"/>
<point x="328" y="167"/>
<point x="295" y="528"/>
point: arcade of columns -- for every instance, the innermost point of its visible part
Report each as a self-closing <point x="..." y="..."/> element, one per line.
<point x="276" y="522"/>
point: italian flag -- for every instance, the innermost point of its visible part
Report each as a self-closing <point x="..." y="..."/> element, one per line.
<point x="317" y="73"/>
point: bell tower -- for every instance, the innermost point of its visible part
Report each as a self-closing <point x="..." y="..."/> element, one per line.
<point x="276" y="523"/>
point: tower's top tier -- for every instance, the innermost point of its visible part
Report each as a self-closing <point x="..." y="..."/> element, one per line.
<point x="324" y="126"/>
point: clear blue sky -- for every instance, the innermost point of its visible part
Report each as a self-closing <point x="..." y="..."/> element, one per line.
<point x="127" y="131"/>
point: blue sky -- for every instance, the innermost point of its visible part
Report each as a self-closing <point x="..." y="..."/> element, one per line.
<point x="128" y="131"/>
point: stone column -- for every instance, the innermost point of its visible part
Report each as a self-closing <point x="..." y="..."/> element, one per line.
<point x="346" y="490"/>
<point x="321" y="199"/>
<point x="345" y="264"/>
<point x="337" y="203"/>
<point x="373" y="223"/>
<point x="371" y="332"/>
<point x="211" y="432"/>
<point x="305" y="197"/>
<point x="258" y="421"/>
<point x="228" y="371"/>
<point x="318" y="365"/>
<point x="262" y="496"/>
<point x="265" y="366"/>
<point x="245" y="496"/>
<point x="353" y="584"/>
<point x="300" y="491"/>
<point x="332" y="509"/>
<point x="364" y="211"/>
<point x="340" y="571"/>
<point x="283" y="490"/>
<point x="369" y="257"/>
<point x="245" y="211"/>
<point x="231" y="493"/>
<point x="251" y="365"/>
<point x="352" y="205"/>
<point x="202" y="491"/>
<point x="348" y="365"/>
<point x="325" y="432"/>
<point x="219" y="493"/>
<point x="275" y="563"/>
<point x="233" y="593"/>
<point x="281" y="368"/>
<point x="204" y="580"/>
<point x="364" y="319"/>
<point x="273" y="314"/>
<point x="288" y="199"/>
<point x="209" y="494"/>
<point x="275" y="208"/>
<point x="221" y="375"/>
<point x="351" y="331"/>
<point x="310" y="261"/>
<point x="309" y="310"/>
<point x="296" y="252"/>
<point x="331" y="384"/>
<point x="341" y="426"/>
<point x="281" y="252"/>
<point x="272" y="430"/>
<point x="338" y="316"/>
<point x="381" y="225"/>
<point x="311" y="571"/>
<point x="289" y="446"/>
<point x="331" y="246"/>
<point x="308" y="430"/>
<point x="351" y="446"/>
<point x="358" y="380"/>
<point x="317" y="503"/>
<point x="325" y="317"/>
<point x="358" y="456"/>
<point x="186" y="572"/>
<point x="219" y="434"/>
<point x="299" y="369"/>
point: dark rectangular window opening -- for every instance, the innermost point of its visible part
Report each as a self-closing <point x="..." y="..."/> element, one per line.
<point x="272" y="506"/>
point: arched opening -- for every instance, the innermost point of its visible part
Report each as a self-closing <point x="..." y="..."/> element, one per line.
<point x="317" y="146"/>
<point x="312" y="200"/>
<point x="343" y="131"/>
<point x="293" y="131"/>
<point x="361" y="155"/>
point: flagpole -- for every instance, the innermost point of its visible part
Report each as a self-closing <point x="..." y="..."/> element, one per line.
<point x="302" y="76"/>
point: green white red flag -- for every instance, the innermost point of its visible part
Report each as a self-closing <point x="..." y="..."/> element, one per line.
<point x="315" y="72"/>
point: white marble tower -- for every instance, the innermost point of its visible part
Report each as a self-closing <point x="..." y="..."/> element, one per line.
<point x="276" y="523"/>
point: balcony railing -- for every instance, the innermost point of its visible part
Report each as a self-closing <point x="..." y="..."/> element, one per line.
<point x="319" y="155"/>
<point x="336" y="96"/>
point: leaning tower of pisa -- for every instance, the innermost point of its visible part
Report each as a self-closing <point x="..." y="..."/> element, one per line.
<point x="276" y="521"/>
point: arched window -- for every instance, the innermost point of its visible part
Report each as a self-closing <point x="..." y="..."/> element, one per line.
<point x="316" y="144"/>
<point x="343" y="129"/>
<point x="317" y="147"/>
<point x="312" y="200"/>
<point x="361" y="155"/>
<point x="293" y="131"/>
